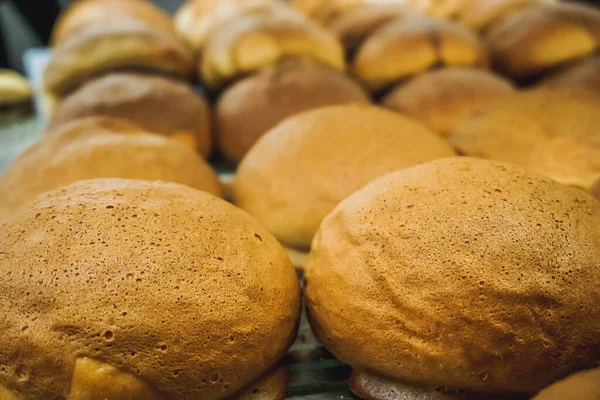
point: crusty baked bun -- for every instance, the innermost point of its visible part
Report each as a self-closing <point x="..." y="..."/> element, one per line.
<point x="298" y="172"/>
<point x="101" y="147"/>
<point x="154" y="103"/>
<point x="580" y="386"/>
<point x="442" y="98"/>
<point x="554" y="132"/>
<point x="482" y="14"/>
<point x="256" y="40"/>
<point x="408" y="46"/>
<point x="196" y="19"/>
<point x="544" y="37"/>
<point x="357" y="24"/>
<point x="14" y="87"/>
<point x="120" y="289"/>
<point x="459" y="275"/>
<point x="122" y="44"/>
<point x="252" y="106"/>
<point x="584" y="74"/>
<point x="83" y="14"/>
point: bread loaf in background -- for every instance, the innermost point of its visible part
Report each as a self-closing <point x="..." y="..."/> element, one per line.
<point x="101" y="147"/>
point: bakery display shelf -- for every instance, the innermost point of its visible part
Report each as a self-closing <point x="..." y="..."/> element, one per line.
<point x="314" y="373"/>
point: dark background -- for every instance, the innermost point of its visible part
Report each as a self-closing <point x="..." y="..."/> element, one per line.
<point x="27" y="23"/>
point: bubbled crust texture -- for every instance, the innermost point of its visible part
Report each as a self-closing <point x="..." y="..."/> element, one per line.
<point x="154" y="103"/>
<point x="580" y="386"/>
<point x="298" y="172"/>
<point x="462" y="273"/>
<point x="171" y="284"/>
<point x="254" y="105"/>
<point x="557" y="133"/>
<point x="411" y="45"/>
<point x="85" y="13"/>
<point x="543" y="37"/>
<point x="441" y="99"/>
<point x="125" y="43"/>
<point x="101" y="148"/>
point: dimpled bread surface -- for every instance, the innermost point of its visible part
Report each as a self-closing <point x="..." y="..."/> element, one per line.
<point x="298" y="172"/>
<point x="98" y="147"/>
<point x="180" y="290"/>
<point x="460" y="273"/>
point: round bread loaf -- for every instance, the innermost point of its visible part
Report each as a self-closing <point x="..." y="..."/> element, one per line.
<point x="252" y="106"/>
<point x="580" y="386"/>
<point x="256" y="40"/>
<point x="459" y="275"/>
<point x="482" y="14"/>
<point x="442" y="98"/>
<point x="301" y="169"/>
<point x="154" y="103"/>
<point x="540" y="38"/>
<point x="554" y="132"/>
<point x="196" y="19"/>
<point x="582" y="75"/>
<point x="408" y="46"/>
<point x="357" y="24"/>
<point x="139" y="290"/>
<point x="83" y="14"/>
<point x="99" y="147"/>
<point x="122" y="44"/>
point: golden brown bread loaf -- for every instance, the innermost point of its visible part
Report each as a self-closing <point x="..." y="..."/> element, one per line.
<point x="443" y="98"/>
<point x="256" y="40"/>
<point x="479" y="15"/>
<point x="354" y="26"/>
<point x="83" y="14"/>
<point x="140" y="290"/>
<point x="544" y="37"/>
<point x="583" y="385"/>
<point x="154" y="103"/>
<point x="101" y="147"/>
<point x="460" y="275"/>
<point x="252" y="106"/>
<point x="122" y="44"/>
<point x="554" y="132"/>
<point x="298" y="172"/>
<point x="196" y="19"/>
<point x="584" y="74"/>
<point x="411" y="45"/>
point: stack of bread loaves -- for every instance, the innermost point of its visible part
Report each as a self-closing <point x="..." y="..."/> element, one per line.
<point x="425" y="67"/>
<point x="125" y="276"/>
<point x="265" y="62"/>
<point x="123" y="59"/>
